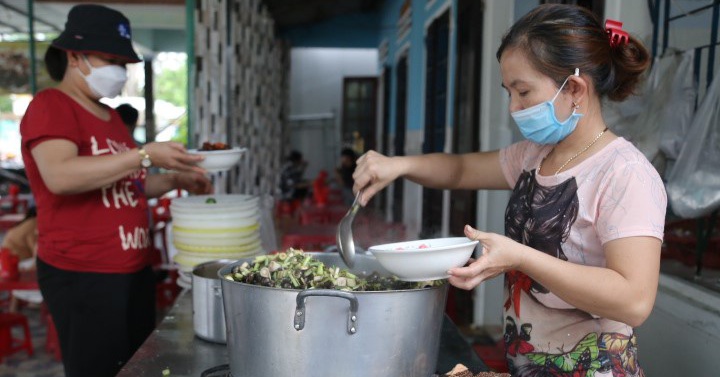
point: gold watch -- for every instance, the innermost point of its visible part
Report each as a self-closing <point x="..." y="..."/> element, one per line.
<point x="145" y="162"/>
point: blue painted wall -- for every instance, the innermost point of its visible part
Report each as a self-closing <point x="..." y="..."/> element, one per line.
<point x="363" y="30"/>
<point x="421" y="14"/>
<point x="357" y="30"/>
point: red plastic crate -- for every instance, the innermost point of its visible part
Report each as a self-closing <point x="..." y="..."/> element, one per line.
<point x="681" y="242"/>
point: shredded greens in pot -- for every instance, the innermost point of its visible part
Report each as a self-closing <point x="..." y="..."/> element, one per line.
<point x="294" y="269"/>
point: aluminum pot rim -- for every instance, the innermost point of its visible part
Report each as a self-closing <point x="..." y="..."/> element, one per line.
<point x="201" y="266"/>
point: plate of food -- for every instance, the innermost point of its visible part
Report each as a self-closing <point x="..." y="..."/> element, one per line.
<point x="422" y="260"/>
<point x="218" y="156"/>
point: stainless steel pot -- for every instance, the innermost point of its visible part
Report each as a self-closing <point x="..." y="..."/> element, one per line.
<point x="330" y="333"/>
<point x="208" y="314"/>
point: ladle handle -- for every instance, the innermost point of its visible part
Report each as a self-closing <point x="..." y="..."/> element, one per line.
<point x="299" y="322"/>
<point x="356" y="203"/>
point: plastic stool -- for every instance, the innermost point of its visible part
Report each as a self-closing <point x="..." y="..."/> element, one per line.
<point x="167" y="290"/>
<point x="52" y="344"/>
<point x="287" y="208"/>
<point x="8" y="344"/>
<point x="308" y="242"/>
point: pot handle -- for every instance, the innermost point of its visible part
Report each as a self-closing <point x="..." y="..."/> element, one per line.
<point x="300" y="306"/>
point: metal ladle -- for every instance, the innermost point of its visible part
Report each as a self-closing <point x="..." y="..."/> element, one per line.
<point x="344" y="235"/>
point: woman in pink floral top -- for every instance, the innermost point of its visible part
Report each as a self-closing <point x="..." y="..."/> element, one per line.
<point x="584" y="224"/>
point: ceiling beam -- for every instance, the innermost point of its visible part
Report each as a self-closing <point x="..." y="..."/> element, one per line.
<point x="118" y="2"/>
<point x="13" y="27"/>
<point x="25" y="13"/>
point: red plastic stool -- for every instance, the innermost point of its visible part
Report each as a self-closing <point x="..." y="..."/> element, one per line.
<point x="8" y="344"/>
<point x="287" y="208"/>
<point x="52" y="344"/>
<point x="166" y="291"/>
<point x="308" y="242"/>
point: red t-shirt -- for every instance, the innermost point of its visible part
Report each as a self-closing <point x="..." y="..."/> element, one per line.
<point x="103" y="230"/>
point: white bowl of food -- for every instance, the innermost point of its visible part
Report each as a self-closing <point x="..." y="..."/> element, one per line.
<point x="218" y="160"/>
<point x="423" y="260"/>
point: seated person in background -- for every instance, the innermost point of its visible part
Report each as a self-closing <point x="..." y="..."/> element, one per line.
<point x="21" y="240"/>
<point x="344" y="172"/>
<point x="129" y="116"/>
<point x="293" y="186"/>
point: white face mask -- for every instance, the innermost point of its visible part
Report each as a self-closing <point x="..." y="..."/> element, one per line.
<point x="106" y="81"/>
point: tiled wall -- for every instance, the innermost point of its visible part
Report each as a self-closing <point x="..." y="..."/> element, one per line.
<point x="240" y="89"/>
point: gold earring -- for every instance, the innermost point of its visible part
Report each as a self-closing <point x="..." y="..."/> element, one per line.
<point x="576" y="105"/>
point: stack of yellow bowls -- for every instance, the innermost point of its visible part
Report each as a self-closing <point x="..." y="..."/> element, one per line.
<point x="211" y="227"/>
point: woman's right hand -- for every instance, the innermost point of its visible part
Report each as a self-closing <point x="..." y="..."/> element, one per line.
<point x="374" y="172"/>
<point x="173" y="156"/>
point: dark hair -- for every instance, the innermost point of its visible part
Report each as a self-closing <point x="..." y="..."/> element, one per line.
<point x="128" y="114"/>
<point x="558" y="38"/>
<point x="349" y="153"/>
<point x="56" y="62"/>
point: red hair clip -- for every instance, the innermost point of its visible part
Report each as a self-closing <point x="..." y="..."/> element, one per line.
<point x="616" y="34"/>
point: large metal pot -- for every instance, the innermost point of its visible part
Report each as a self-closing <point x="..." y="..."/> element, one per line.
<point x="208" y="314"/>
<point x="330" y="333"/>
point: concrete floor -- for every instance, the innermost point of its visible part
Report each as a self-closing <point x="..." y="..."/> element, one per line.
<point x="709" y="277"/>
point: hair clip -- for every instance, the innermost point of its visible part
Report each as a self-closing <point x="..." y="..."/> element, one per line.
<point x="615" y="33"/>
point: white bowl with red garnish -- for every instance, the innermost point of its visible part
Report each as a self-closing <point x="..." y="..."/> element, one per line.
<point x="218" y="160"/>
<point x="422" y="260"/>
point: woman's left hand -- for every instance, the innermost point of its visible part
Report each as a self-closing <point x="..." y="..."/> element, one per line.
<point x="499" y="254"/>
<point x="193" y="182"/>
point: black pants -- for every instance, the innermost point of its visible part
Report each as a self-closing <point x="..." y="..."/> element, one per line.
<point x="101" y="319"/>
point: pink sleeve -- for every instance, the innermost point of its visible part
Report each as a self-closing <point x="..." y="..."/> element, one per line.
<point x="632" y="203"/>
<point x="512" y="159"/>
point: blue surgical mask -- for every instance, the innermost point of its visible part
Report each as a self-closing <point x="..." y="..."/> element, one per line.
<point x="540" y="125"/>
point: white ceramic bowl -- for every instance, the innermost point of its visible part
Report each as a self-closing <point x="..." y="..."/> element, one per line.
<point x="226" y="239"/>
<point x="222" y="251"/>
<point x="240" y="214"/>
<point x="231" y="224"/>
<point x="219" y="210"/>
<point x="221" y="160"/>
<point x="214" y="203"/>
<point x="423" y="260"/>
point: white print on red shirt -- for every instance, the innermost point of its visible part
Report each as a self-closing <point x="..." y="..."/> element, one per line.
<point x="123" y="193"/>
<point x="138" y="239"/>
<point x="114" y="147"/>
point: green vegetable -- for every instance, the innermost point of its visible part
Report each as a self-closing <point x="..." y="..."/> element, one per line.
<point x="295" y="270"/>
<point x="166" y="372"/>
<point x="210" y="201"/>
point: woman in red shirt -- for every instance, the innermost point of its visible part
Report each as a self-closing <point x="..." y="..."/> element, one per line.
<point x="91" y="185"/>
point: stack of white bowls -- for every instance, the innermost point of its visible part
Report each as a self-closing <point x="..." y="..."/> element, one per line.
<point x="212" y="227"/>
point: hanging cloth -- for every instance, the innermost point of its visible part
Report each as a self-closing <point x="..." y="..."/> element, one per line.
<point x="658" y="118"/>
<point x="679" y="111"/>
<point x="693" y="185"/>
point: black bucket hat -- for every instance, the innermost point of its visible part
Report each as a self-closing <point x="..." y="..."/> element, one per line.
<point x="97" y="29"/>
